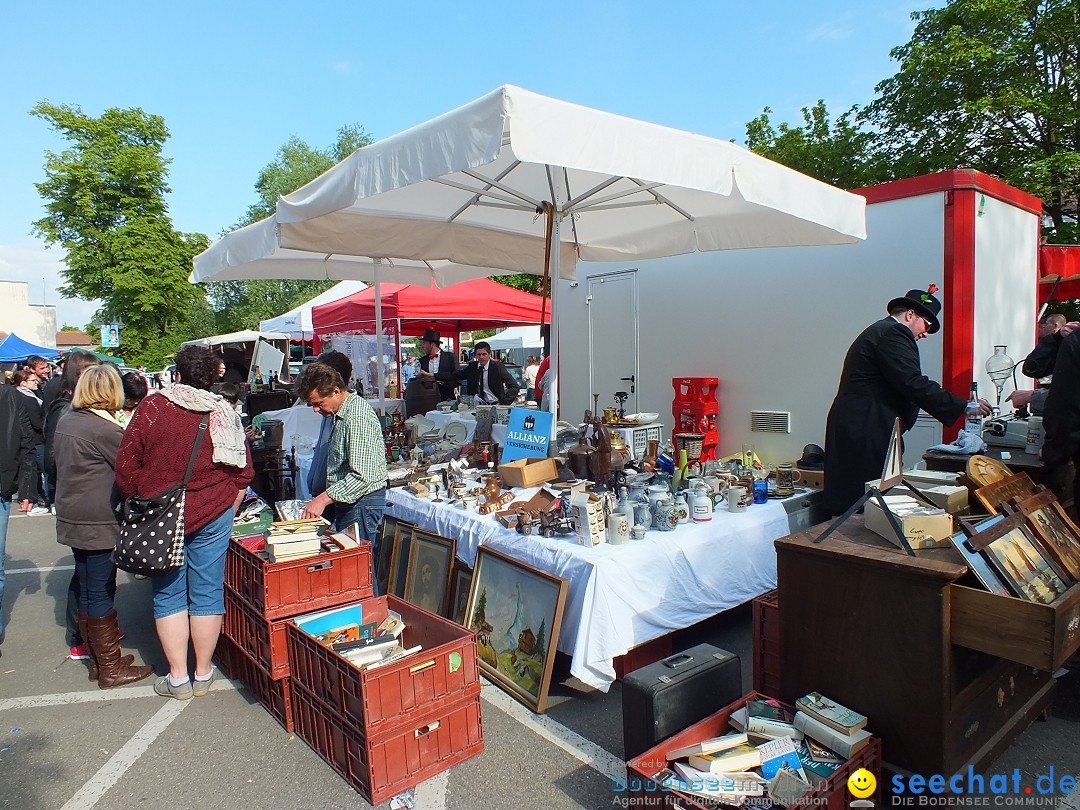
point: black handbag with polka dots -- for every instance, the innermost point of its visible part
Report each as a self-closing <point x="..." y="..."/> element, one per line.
<point x="151" y="539"/>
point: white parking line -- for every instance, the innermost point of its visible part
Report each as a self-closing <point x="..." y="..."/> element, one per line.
<point x="42" y="570"/>
<point x="586" y="751"/>
<point x="94" y="695"/>
<point x="110" y="773"/>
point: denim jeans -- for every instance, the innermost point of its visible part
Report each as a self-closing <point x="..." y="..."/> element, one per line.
<point x="367" y="513"/>
<point x="5" y="510"/>
<point x="97" y="582"/>
<point x="198" y="586"/>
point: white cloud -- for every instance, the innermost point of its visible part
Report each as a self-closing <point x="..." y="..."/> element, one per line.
<point x="30" y="261"/>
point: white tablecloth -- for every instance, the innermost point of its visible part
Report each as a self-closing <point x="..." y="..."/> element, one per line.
<point x="621" y="596"/>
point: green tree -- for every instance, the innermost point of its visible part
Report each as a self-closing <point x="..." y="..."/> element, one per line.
<point x="992" y="85"/>
<point x="836" y="152"/>
<point x="480" y="612"/>
<point x="105" y="206"/>
<point x="541" y="639"/>
<point x="242" y="304"/>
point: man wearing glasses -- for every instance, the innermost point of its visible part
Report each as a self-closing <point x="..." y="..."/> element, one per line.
<point x="882" y="380"/>
<point x="356" y="465"/>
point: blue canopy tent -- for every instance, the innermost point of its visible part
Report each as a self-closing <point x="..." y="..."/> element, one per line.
<point x="14" y="349"/>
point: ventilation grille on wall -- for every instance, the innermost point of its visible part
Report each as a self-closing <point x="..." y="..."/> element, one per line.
<point x="770" y="421"/>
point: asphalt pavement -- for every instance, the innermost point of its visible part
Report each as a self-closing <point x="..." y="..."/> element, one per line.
<point x="64" y="743"/>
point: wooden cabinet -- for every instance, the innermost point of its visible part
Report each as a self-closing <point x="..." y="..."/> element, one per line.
<point x="948" y="674"/>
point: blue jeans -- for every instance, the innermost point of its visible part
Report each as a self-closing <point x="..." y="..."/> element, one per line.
<point x="367" y="513"/>
<point x="5" y="510"/>
<point x="97" y="582"/>
<point x="198" y="586"/>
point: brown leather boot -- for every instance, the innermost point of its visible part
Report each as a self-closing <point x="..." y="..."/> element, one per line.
<point x="83" y="617"/>
<point x="113" y="670"/>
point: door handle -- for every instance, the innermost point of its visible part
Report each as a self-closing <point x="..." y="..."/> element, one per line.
<point x="630" y="380"/>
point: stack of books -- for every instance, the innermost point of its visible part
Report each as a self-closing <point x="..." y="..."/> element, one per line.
<point x="378" y="645"/>
<point x="296" y="539"/>
<point x="769" y="754"/>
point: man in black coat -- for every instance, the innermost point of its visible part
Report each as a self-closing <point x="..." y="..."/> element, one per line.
<point x="488" y="380"/>
<point x="882" y="380"/>
<point x="1039" y="364"/>
<point x="1061" y="414"/>
<point x="442" y="365"/>
<point x="16" y="466"/>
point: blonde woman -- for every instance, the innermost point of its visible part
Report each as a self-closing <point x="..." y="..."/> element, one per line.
<point x="85" y="445"/>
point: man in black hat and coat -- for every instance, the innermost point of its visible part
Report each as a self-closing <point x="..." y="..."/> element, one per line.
<point x="442" y="365"/>
<point x="882" y="380"/>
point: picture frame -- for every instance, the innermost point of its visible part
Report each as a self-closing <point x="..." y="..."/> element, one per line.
<point x="1021" y="562"/>
<point x="399" y="559"/>
<point x="1047" y="518"/>
<point x="427" y="581"/>
<point x="516" y="611"/>
<point x="977" y="563"/>
<point x="384" y="562"/>
<point x="460" y="580"/>
<point x="992" y="496"/>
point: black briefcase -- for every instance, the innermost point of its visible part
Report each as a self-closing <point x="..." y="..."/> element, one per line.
<point x="664" y="698"/>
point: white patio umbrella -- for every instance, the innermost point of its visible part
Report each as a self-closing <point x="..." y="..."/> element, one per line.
<point x="530" y="184"/>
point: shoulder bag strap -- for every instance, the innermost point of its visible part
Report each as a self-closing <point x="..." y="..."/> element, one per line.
<point x="195" y="450"/>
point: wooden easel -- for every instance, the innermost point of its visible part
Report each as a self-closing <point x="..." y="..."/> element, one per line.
<point x="892" y="475"/>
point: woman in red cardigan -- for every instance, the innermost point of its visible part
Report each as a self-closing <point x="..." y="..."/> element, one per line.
<point x="189" y="603"/>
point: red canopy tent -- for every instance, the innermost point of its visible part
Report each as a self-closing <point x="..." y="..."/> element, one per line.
<point x="477" y="304"/>
<point x="1059" y="262"/>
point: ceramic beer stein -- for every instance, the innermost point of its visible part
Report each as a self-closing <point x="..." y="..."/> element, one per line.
<point x="737" y="499"/>
<point x="786" y="478"/>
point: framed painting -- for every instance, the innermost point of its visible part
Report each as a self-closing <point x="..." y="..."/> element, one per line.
<point x="978" y="565"/>
<point x="427" y="582"/>
<point x="459" y="591"/>
<point x="386" y="549"/>
<point x="1052" y="525"/>
<point x="516" y="611"/>
<point x="1020" y="561"/>
<point x="399" y="559"/>
<point x="1015" y="486"/>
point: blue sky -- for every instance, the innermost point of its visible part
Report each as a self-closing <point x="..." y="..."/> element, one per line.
<point x="234" y="80"/>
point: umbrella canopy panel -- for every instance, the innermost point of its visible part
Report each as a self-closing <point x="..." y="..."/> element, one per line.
<point x="477" y="304"/>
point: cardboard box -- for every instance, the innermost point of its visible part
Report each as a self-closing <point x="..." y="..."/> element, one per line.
<point x="953" y="500"/>
<point x="932" y="478"/>
<point x="810" y="478"/>
<point x="527" y="472"/>
<point x="923" y="526"/>
<point x="590" y="519"/>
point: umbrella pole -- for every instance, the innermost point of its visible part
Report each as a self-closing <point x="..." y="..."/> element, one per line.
<point x="553" y="330"/>
<point x="548" y="209"/>
<point x="378" y="339"/>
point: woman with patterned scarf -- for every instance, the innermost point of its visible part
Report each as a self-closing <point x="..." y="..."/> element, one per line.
<point x="189" y="603"/>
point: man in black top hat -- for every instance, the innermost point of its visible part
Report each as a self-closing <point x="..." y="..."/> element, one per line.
<point x="882" y="380"/>
<point x="442" y="365"/>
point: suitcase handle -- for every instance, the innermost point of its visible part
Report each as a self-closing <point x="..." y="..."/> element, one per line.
<point x="678" y="660"/>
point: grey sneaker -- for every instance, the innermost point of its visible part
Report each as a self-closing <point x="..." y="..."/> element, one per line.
<point x="166" y="689"/>
<point x="200" y="688"/>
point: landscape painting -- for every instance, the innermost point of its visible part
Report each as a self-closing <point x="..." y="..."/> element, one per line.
<point x="516" y="612"/>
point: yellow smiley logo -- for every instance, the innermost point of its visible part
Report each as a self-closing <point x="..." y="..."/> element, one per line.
<point x="861" y="783"/>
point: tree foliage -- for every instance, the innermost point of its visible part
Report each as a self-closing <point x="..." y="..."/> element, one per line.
<point x="837" y="152"/>
<point x="105" y="206"/>
<point x="992" y="85"/>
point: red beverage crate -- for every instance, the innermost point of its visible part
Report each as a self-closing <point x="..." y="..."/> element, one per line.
<point x="275" y="696"/>
<point x="695" y="389"/>
<point x="643" y="792"/>
<point x="262" y="640"/>
<point x="280" y="590"/>
<point x="225" y="657"/>
<point x="444" y="670"/>
<point x="399" y="759"/>
<point x="767" y="643"/>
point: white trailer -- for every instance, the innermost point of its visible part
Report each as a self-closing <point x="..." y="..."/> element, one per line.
<point x="774" y="324"/>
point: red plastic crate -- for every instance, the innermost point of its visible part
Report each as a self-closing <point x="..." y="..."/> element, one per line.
<point x="695" y="389"/>
<point x="643" y="792"/>
<point x="444" y="670"/>
<point x="401" y="758"/>
<point x="284" y="589"/>
<point x="275" y="696"/>
<point x="767" y="643"/>
<point x="261" y="639"/>
<point x="225" y="657"/>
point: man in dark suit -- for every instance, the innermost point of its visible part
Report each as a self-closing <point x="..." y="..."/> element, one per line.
<point x="488" y="380"/>
<point x="882" y="380"/>
<point x="441" y="365"/>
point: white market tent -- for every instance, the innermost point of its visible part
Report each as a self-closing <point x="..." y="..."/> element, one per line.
<point x="516" y="337"/>
<point x="530" y="184"/>
<point x="297" y="321"/>
<point x="235" y="338"/>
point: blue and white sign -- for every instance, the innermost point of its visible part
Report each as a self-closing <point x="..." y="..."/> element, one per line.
<point x="527" y="434"/>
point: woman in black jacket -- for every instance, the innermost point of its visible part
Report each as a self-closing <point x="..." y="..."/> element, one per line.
<point x="76" y="363"/>
<point x="85" y="446"/>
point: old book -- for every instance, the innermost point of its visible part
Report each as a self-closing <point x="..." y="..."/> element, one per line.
<point x="336" y="635"/>
<point x="708" y="746"/>
<point x="819" y="753"/>
<point x="392" y="624"/>
<point x="831" y="713"/>
<point x="773" y="729"/>
<point x="846" y="745"/>
<point x="344" y="540"/>
<point x="738" y="758"/>
<point x="812" y="765"/>
<point x="370" y="653"/>
<point x="393" y="658"/>
<point x="706" y="787"/>
<point x="781" y="753"/>
<point x="290" y="538"/>
<point x="276" y="554"/>
<point x="768" y="709"/>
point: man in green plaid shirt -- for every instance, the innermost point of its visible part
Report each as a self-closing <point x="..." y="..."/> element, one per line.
<point x="356" y="467"/>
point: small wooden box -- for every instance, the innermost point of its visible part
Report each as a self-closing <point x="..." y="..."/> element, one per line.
<point x="527" y="472"/>
<point x="921" y="530"/>
<point x="810" y="478"/>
